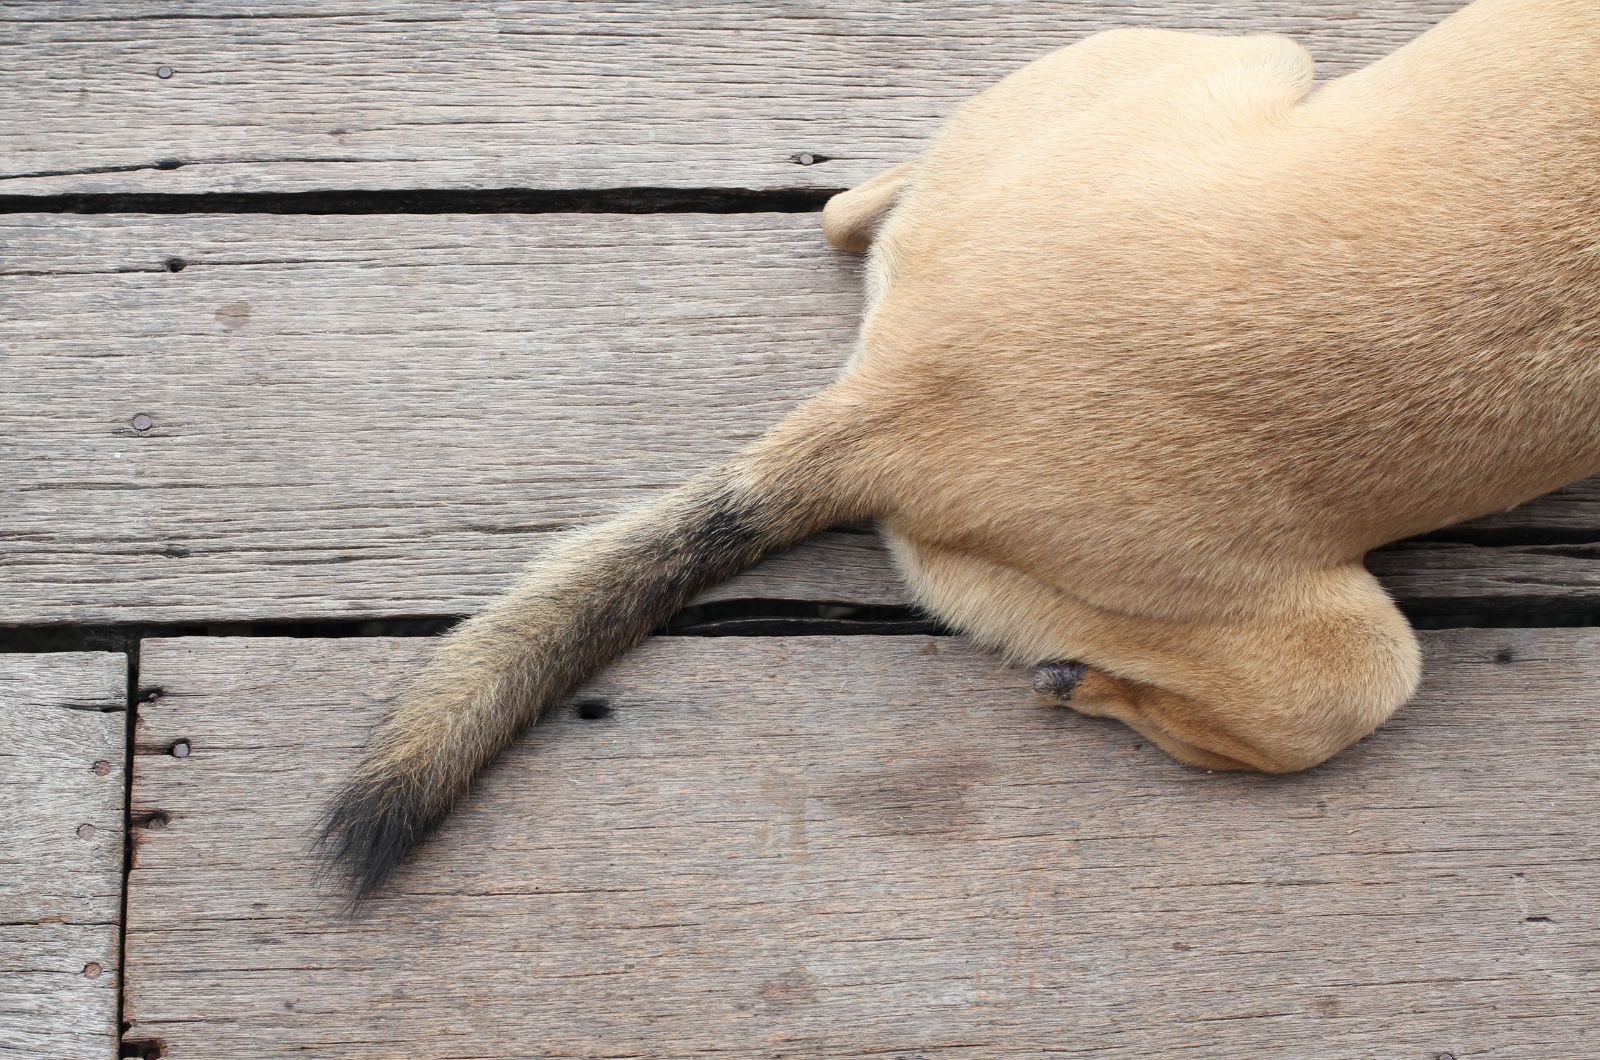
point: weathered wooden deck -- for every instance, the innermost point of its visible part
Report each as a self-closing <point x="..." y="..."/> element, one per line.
<point x="317" y="319"/>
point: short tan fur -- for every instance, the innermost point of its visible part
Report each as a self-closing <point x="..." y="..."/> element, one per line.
<point x="1161" y="339"/>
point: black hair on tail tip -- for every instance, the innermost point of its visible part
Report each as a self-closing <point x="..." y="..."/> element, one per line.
<point x="369" y="828"/>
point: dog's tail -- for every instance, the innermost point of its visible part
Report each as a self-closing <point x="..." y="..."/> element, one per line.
<point x="597" y="594"/>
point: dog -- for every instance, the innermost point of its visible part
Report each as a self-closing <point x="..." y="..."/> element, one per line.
<point x="1160" y="340"/>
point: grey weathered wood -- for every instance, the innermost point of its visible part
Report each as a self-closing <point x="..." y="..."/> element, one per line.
<point x="817" y="846"/>
<point x="559" y="94"/>
<point x="357" y="418"/>
<point x="62" y="754"/>
<point x="351" y="418"/>
<point x="1439" y="577"/>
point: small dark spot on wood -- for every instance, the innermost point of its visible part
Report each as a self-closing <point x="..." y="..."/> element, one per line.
<point x="175" y="552"/>
<point x="155" y="820"/>
<point x="1328" y="1006"/>
<point x="170" y="163"/>
<point x="1444" y="1056"/>
<point x="151" y="693"/>
<point x="163" y="72"/>
<point x="91" y="970"/>
<point x="341" y="132"/>
<point x="593" y="709"/>
<point x="795" y="987"/>
<point x="929" y="801"/>
<point x="1538" y="920"/>
<point x="143" y="1048"/>
<point x="233" y="316"/>
<point x="175" y="264"/>
<point x="142" y="422"/>
<point x="86" y="831"/>
<point x="809" y="158"/>
<point x="102" y="767"/>
<point x="1505" y="656"/>
<point x="288" y="1006"/>
<point x="1182" y="947"/>
<point x="179" y="749"/>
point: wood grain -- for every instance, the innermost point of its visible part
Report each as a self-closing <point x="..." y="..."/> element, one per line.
<point x="344" y="418"/>
<point x="547" y="95"/>
<point x="62" y="752"/>
<point x="820" y="847"/>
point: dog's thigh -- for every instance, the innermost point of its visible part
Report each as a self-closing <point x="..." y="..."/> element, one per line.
<point x="1001" y="608"/>
<point x="1285" y="683"/>
<point x="1031" y="624"/>
<point x="1282" y="690"/>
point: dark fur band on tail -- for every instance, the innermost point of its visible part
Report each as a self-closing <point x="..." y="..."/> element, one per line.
<point x="368" y="829"/>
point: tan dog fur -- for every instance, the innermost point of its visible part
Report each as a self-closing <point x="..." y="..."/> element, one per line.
<point x="1160" y="341"/>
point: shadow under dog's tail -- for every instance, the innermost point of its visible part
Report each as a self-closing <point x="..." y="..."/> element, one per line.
<point x="596" y="595"/>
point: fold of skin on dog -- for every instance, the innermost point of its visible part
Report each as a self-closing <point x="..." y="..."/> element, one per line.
<point x="1160" y="341"/>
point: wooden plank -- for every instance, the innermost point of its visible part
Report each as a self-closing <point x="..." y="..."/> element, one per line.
<point x="62" y="757"/>
<point x="346" y="423"/>
<point x="547" y="95"/>
<point x="1440" y="577"/>
<point x="851" y="846"/>
<point x="348" y="419"/>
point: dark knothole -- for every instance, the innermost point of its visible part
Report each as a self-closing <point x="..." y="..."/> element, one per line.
<point x="593" y="709"/>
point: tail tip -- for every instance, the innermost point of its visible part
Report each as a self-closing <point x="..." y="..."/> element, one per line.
<point x="367" y="831"/>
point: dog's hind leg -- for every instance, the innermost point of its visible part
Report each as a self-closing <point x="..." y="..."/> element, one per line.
<point x="1295" y="681"/>
<point x="1275" y="688"/>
